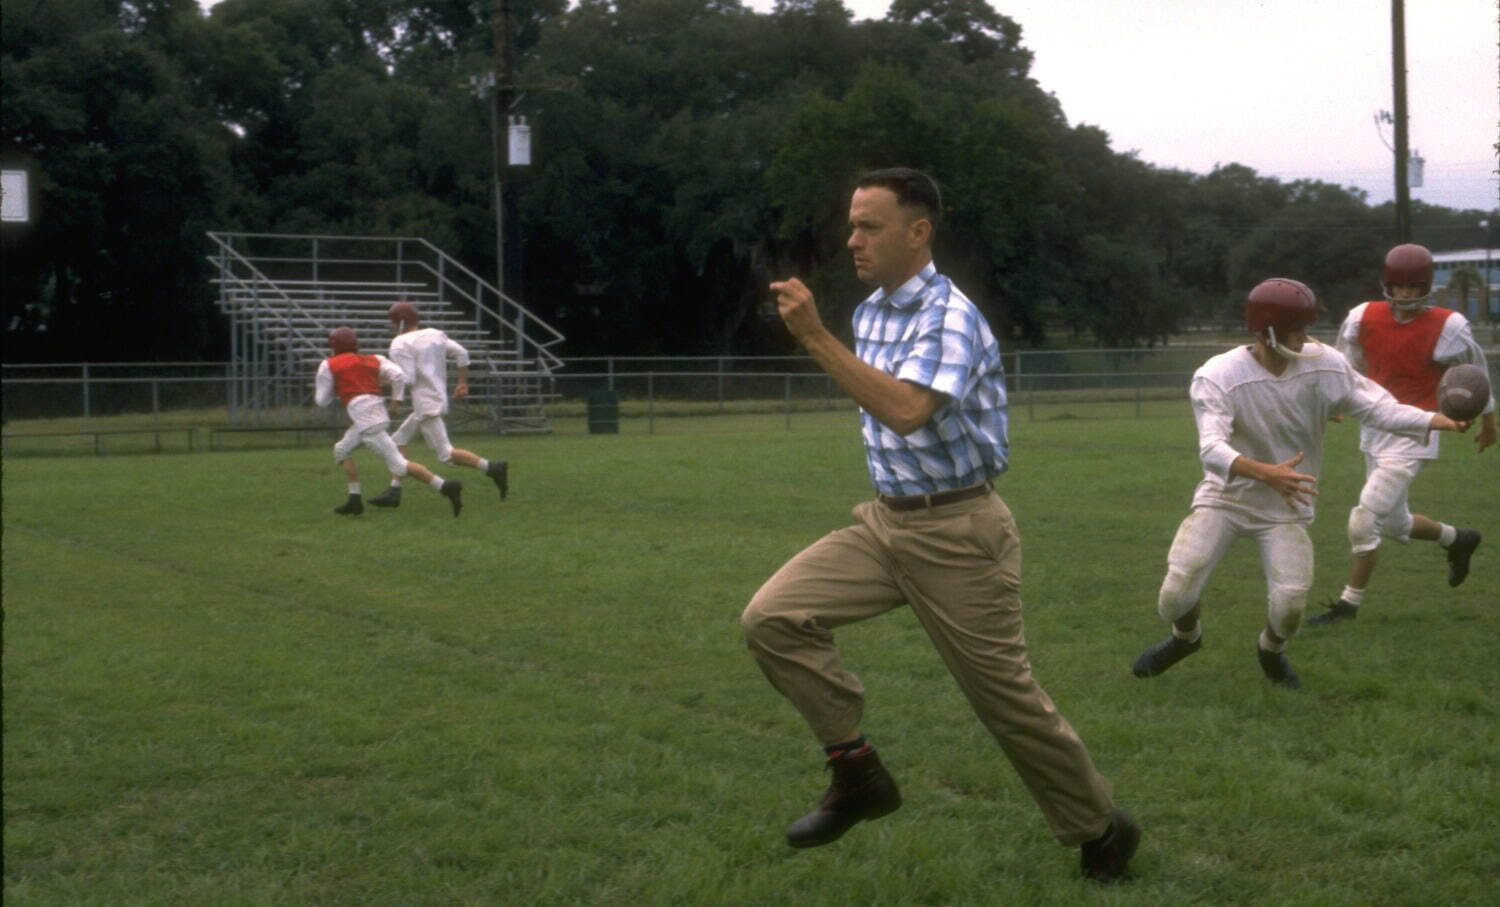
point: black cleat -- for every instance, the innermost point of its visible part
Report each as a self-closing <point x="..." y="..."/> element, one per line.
<point x="1278" y="669"/>
<point x="391" y="497"/>
<point x="351" y="507"/>
<point x="453" y="490"/>
<point x="1459" y="553"/>
<point x="499" y="471"/>
<point x="1337" y="611"/>
<point x="1163" y="655"/>
<point x="861" y="790"/>
<point x="1105" y="858"/>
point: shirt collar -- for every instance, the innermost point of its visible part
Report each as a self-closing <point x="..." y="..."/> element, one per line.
<point x="909" y="294"/>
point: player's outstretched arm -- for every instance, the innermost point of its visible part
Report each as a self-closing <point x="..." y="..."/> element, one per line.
<point x="1294" y="487"/>
<point x="1441" y="422"/>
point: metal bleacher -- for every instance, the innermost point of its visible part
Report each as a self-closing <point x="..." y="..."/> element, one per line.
<point x="284" y="293"/>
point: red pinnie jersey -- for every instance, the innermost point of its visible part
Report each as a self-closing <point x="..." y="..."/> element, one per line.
<point x="354" y="374"/>
<point x="1398" y="355"/>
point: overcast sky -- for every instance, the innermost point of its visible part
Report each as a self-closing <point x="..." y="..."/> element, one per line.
<point x="1288" y="87"/>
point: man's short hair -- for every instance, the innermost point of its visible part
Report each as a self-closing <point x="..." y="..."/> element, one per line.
<point x="913" y="189"/>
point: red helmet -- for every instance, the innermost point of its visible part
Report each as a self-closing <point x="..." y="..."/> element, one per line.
<point x="403" y="313"/>
<point x="343" y="340"/>
<point x="1406" y="264"/>
<point x="1280" y="303"/>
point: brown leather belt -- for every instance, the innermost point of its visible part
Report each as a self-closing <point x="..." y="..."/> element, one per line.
<point x="935" y="499"/>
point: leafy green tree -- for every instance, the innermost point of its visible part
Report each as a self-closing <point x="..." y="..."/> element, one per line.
<point x="129" y="171"/>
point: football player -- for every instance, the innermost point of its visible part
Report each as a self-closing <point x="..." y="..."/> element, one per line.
<point x="355" y="379"/>
<point x="1405" y="344"/>
<point x="422" y="354"/>
<point x="1261" y="411"/>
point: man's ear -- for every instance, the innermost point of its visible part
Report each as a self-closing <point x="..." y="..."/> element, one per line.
<point x="921" y="232"/>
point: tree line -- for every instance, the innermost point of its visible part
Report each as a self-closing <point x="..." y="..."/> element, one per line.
<point x="686" y="153"/>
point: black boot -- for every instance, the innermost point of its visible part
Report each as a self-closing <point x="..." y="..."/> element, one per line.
<point x="1104" y="859"/>
<point x="1337" y="611"/>
<point x="391" y="497"/>
<point x="1163" y="655"/>
<point x="499" y="473"/>
<point x="861" y="789"/>
<point x="453" y="490"/>
<point x="1459" y="553"/>
<point x="351" y="507"/>
<point x="1277" y="669"/>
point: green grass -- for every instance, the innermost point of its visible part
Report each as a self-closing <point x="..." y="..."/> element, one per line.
<point x="218" y="692"/>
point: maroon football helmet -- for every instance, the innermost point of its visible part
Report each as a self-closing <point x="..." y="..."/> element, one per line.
<point x="1405" y="264"/>
<point x="1280" y="305"/>
<point x="402" y="314"/>
<point x="343" y="340"/>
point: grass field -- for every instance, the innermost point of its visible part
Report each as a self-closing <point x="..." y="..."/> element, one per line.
<point x="216" y="691"/>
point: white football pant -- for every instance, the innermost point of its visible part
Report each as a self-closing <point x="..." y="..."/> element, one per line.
<point x="434" y="432"/>
<point x="369" y="428"/>
<point x="1382" y="510"/>
<point x="1286" y="555"/>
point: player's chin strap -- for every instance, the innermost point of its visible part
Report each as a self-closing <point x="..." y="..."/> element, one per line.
<point x="1275" y="344"/>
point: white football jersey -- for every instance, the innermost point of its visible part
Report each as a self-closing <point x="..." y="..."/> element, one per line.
<point x="423" y="355"/>
<point x="1244" y="410"/>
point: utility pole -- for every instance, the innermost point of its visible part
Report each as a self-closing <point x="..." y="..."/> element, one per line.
<point x="1398" y="78"/>
<point x="500" y="93"/>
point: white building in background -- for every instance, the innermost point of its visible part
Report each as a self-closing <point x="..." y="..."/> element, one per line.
<point x="1487" y="263"/>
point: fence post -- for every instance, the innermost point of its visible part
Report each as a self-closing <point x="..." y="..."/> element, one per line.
<point x="1137" y="401"/>
<point x="788" y="394"/>
<point x="86" y="407"/>
<point x="650" y="402"/>
<point x="609" y="368"/>
<point x="156" y="404"/>
<point x="721" y="384"/>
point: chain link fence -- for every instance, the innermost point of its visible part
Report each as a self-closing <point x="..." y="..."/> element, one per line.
<point x="131" y="407"/>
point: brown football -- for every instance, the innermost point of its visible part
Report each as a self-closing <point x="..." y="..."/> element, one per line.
<point x="1463" y="393"/>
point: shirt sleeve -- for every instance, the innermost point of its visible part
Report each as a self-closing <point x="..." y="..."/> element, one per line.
<point x="1456" y="346"/>
<point x="323" y="385"/>
<point x="1375" y="406"/>
<point x="456" y="352"/>
<point x="405" y="358"/>
<point x="1347" y="341"/>
<point x="393" y="374"/>
<point x="406" y="363"/>
<point x="942" y="355"/>
<point x="1215" y="417"/>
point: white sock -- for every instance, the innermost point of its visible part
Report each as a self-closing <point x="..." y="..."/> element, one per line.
<point x="354" y="488"/>
<point x="1352" y="596"/>
<point x="437" y="482"/>
<point x="1192" y="635"/>
<point x="1446" y="534"/>
<point x="483" y="465"/>
<point x="1267" y="644"/>
<point x="396" y="483"/>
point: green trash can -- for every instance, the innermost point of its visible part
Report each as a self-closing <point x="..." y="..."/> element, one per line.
<point x="604" y="412"/>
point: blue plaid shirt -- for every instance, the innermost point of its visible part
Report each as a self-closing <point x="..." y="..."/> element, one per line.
<point x="929" y="333"/>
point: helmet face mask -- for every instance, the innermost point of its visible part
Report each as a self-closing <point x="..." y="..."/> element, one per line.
<point x="1278" y="307"/>
<point x="1407" y="265"/>
<point x="343" y="340"/>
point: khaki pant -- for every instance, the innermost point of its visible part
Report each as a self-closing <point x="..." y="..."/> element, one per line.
<point x="959" y="568"/>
